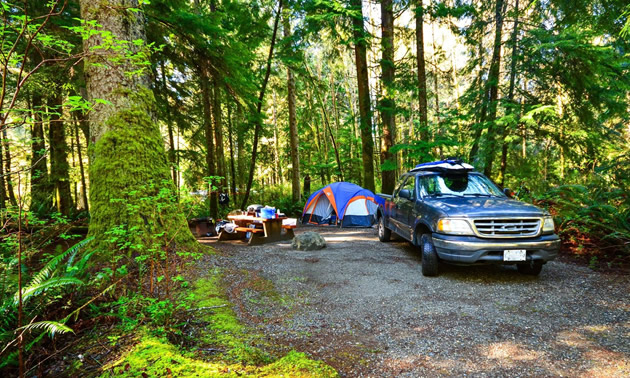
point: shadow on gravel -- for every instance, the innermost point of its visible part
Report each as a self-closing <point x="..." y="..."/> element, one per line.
<point x="487" y="272"/>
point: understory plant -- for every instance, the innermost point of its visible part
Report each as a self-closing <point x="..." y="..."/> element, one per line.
<point x="47" y="302"/>
<point x="592" y="218"/>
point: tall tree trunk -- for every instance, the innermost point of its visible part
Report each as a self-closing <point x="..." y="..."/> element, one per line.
<point x="169" y="124"/>
<point x="293" y="132"/>
<point x="388" y="106"/>
<point x="363" y="85"/>
<point x="74" y="185"/>
<point x="3" y="179"/>
<point x="261" y="96"/>
<point x="422" y="75"/>
<point x="84" y="196"/>
<point x="493" y="82"/>
<point x="510" y="110"/>
<point x="276" y="152"/>
<point x="128" y="159"/>
<point x="59" y="167"/>
<point x="436" y="94"/>
<point x="482" y="102"/>
<point x="7" y="168"/>
<point x="240" y="149"/>
<point x="232" y="168"/>
<point x="41" y="199"/>
<point x="206" y="99"/>
<point x="217" y="117"/>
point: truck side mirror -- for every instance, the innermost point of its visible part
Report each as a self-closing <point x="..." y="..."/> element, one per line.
<point x="405" y="193"/>
<point x="508" y="192"/>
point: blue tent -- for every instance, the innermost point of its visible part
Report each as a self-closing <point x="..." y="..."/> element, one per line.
<point x="342" y="203"/>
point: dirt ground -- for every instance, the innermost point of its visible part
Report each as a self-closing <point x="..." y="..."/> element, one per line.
<point x="365" y="308"/>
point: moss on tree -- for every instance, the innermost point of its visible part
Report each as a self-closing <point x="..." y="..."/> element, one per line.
<point x="130" y="185"/>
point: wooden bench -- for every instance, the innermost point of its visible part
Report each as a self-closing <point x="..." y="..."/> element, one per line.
<point x="247" y="229"/>
<point x="288" y="226"/>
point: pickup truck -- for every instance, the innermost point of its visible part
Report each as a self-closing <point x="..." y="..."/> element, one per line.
<point x="459" y="216"/>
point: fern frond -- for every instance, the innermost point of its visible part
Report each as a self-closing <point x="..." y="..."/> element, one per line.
<point x="75" y="249"/>
<point x="51" y="283"/>
<point x="50" y="327"/>
<point x="50" y="267"/>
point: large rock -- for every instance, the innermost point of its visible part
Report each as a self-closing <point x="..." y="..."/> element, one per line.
<point x="308" y="241"/>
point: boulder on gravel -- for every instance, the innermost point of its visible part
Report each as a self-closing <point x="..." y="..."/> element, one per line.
<point x="308" y="241"/>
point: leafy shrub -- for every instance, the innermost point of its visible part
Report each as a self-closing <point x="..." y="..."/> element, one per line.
<point x="589" y="218"/>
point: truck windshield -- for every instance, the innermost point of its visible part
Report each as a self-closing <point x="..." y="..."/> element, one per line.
<point x="460" y="185"/>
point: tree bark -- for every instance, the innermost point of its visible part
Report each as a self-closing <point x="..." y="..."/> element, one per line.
<point x="240" y="149"/>
<point x="363" y="85"/>
<point x="169" y="124"/>
<point x="293" y="132"/>
<point x="206" y="99"/>
<point x="3" y="179"/>
<point x="84" y="195"/>
<point x="388" y="105"/>
<point x="217" y="117"/>
<point x="59" y="167"/>
<point x="493" y="82"/>
<point x="276" y="142"/>
<point x="422" y="75"/>
<point x="481" y="103"/>
<point x="510" y="110"/>
<point x="41" y="199"/>
<point x="258" y="121"/>
<point x="232" y="167"/>
<point x="7" y="168"/>
<point x="127" y="157"/>
<point x="436" y="94"/>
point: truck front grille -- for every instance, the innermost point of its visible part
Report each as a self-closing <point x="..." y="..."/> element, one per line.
<point x="506" y="228"/>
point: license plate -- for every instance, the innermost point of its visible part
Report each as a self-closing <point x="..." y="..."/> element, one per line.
<point x="514" y="255"/>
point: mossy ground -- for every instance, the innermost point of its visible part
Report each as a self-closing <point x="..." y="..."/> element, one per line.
<point x="220" y="331"/>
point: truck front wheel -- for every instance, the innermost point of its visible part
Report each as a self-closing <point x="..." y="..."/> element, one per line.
<point x="531" y="268"/>
<point x="429" y="256"/>
<point x="384" y="233"/>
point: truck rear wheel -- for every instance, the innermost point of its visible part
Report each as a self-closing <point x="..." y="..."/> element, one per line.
<point x="531" y="268"/>
<point x="384" y="233"/>
<point x="429" y="256"/>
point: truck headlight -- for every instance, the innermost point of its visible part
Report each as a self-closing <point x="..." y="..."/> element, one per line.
<point x="548" y="225"/>
<point x="454" y="226"/>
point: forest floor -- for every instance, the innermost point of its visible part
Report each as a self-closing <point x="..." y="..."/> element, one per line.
<point x="364" y="308"/>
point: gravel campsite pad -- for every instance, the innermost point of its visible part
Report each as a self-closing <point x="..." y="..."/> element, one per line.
<point x="364" y="308"/>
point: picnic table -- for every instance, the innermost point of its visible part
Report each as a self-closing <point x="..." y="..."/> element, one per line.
<point x="262" y="230"/>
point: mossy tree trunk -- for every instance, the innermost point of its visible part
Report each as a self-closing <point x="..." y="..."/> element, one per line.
<point x="59" y="167"/>
<point x="3" y="190"/>
<point x="7" y="169"/>
<point x="41" y="200"/>
<point x="129" y="171"/>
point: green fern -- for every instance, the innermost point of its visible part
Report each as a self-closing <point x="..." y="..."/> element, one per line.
<point x="52" y="283"/>
<point x="50" y="267"/>
<point x="50" y="327"/>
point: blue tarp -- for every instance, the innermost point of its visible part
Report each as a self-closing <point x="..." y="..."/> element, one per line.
<point x="332" y="207"/>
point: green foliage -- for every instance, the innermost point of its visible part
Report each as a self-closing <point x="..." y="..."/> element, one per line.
<point x="49" y="288"/>
<point x="278" y="196"/>
<point x="51" y="328"/>
<point x="592" y="217"/>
